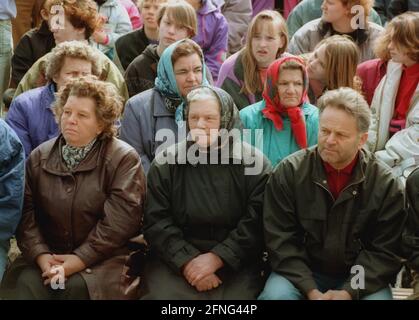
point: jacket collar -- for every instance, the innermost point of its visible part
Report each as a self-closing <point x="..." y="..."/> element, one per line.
<point x="160" y="109"/>
<point x="238" y="67"/>
<point x="236" y="152"/>
<point x="48" y="95"/>
<point x="44" y="29"/>
<point x="54" y="163"/>
<point x="207" y="7"/>
<point x="319" y="177"/>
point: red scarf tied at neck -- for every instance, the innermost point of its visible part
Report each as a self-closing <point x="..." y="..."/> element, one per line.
<point x="274" y="108"/>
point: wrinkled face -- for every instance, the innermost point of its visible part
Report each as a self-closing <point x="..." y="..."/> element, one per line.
<point x="317" y="64"/>
<point x="265" y="44"/>
<point x="339" y="139"/>
<point x="334" y="10"/>
<point x="398" y="54"/>
<point x="188" y="73"/>
<point x="290" y="87"/>
<point x="65" y="31"/>
<point x="79" y="123"/>
<point x="170" y="32"/>
<point x="149" y="13"/>
<point x="70" y="69"/>
<point x="204" y="121"/>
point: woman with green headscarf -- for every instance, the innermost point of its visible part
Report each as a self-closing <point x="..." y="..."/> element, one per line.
<point x="148" y="123"/>
<point x="203" y="218"/>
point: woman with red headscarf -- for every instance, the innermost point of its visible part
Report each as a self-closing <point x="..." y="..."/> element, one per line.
<point x="288" y="121"/>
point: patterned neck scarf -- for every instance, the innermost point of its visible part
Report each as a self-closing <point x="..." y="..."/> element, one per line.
<point x="74" y="155"/>
<point x="274" y="109"/>
<point x="172" y="104"/>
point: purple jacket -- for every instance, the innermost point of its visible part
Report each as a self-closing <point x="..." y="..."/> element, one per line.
<point x="212" y="36"/>
<point x="231" y="79"/>
<point x="260" y="5"/>
<point x="31" y="117"/>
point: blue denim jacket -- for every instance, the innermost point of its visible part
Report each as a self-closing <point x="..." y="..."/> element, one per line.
<point x="12" y="171"/>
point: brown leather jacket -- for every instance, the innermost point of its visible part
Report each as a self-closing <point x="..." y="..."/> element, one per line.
<point x="92" y="212"/>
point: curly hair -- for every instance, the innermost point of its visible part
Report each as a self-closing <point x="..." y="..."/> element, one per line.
<point x="80" y="13"/>
<point x="107" y="100"/>
<point x="72" y="49"/>
<point x="403" y="31"/>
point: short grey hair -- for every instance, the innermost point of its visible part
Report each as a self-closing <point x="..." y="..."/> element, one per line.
<point x="72" y="49"/>
<point x="350" y="101"/>
<point x="201" y="94"/>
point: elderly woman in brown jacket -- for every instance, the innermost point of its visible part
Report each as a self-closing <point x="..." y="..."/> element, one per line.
<point x="83" y="202"/>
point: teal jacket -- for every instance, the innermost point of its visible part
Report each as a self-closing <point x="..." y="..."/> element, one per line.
<point x="276" y="145"/>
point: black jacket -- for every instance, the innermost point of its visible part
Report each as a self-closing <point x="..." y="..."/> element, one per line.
<point x="130" y="46"/>
<point x="197" y="208"/>
<point x="307" y="230"/>
<point x="34" y="44"/>
<point x="142" y="72"/>
<point x="411" y="236"/>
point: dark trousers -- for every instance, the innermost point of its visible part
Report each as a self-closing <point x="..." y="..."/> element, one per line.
<point x="30" y="286"/>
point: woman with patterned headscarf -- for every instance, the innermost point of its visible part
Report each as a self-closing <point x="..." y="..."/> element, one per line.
<point x="203" y="218"/>
<point x="180" y="69"/>
<point x="288" y="122"/>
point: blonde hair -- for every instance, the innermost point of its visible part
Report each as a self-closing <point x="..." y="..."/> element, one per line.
<point x="107" y="100"/>
<point x="252" y="81"/>
<point x="72" y="49"/>
<point x="181" y="13"/>
<point x="350" y="101"/>
<point x="403" y="31"/>
<point x="341" y="61"/>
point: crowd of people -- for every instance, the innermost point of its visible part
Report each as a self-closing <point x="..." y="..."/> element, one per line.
<point x="208" y="149"/>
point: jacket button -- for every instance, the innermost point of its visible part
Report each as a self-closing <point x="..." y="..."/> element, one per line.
<point x="354" y="193"/>
<point x="88" y="270"/>
<point x="324" y="181"/>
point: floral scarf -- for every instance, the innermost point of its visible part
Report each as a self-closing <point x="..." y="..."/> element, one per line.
<point x="74" y="155"/>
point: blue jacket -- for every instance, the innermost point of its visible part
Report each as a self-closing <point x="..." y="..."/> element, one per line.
<point x="144" y="115"/>
<point x="31" y="117"/>
<point x="7" y="9"/>
<point x="277" y="145"/>
<point x="12" y="181"/>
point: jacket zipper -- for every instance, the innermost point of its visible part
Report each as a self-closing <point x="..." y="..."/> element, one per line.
<point x="328" y="191"/>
